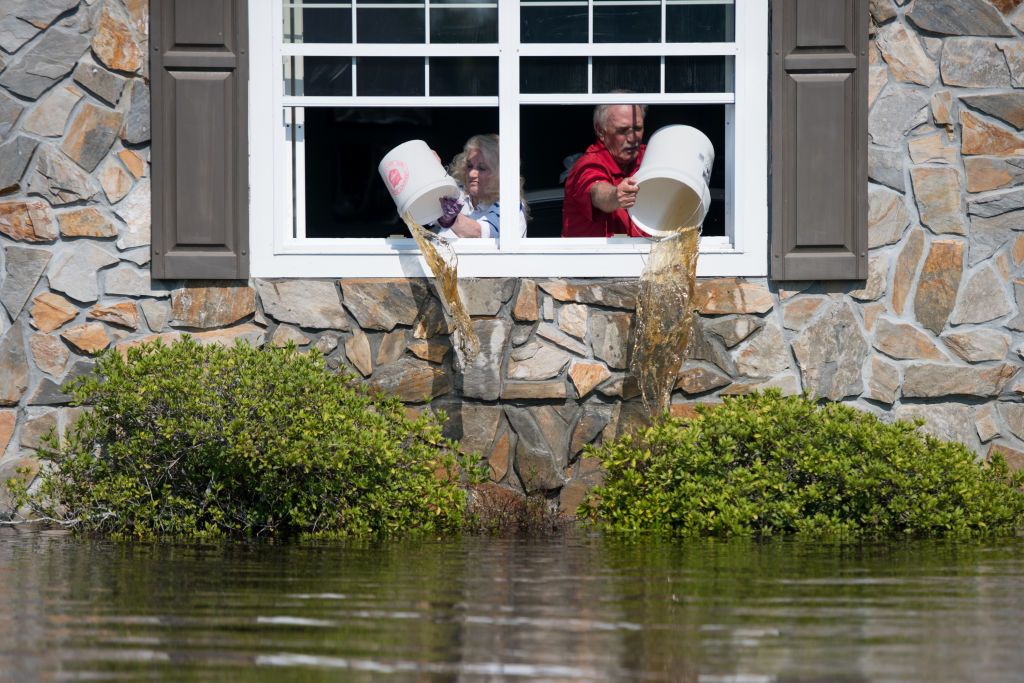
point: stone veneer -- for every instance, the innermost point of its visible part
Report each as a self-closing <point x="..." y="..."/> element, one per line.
<point x="934" y="332"/>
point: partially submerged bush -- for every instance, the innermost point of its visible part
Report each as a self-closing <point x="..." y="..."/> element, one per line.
<point x="192" y="440"/>
<point x="765" y="464"/>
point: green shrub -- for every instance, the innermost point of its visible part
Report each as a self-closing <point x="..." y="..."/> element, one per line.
<point x="192" y="440"/>
<point x="765" y="464"/>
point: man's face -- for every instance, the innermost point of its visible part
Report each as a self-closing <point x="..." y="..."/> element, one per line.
<point x="622" y="133"/>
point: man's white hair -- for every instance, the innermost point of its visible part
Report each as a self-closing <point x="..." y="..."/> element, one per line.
<point x="601" y="114"/>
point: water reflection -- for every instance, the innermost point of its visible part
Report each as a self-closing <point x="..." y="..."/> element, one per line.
<point x="573" y="608"/>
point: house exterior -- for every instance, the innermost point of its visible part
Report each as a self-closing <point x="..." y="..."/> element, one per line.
<point x="872" y="248"/>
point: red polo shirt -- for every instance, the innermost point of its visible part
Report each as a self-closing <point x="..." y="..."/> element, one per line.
<point x="579" y="216"/>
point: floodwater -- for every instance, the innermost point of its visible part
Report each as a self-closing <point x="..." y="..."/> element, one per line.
<point x="577" y="607"/>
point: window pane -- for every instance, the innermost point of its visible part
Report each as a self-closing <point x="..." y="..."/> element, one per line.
<point x="390" y="24"/>
<point x="688" y="22"/>
<point x="342" y="192"/>
<point x="627" y="21"/>
<point x="318" y="76"/>
<point x="565" y="22"/>
<point x="306" y="22"/>
<point x="553" y="137"/>
<point x="698" y="74"/>
<point x="450" y="23"/>
<point x="553" y="75"/>
<point x="389" y="76"/>
<point x="633" y="74"/>
<point x="463" y="76"/>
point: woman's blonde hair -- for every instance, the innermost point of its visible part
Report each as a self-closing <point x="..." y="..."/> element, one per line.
<point x="487" y="146"/>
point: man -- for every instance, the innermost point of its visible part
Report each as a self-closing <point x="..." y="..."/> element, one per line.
<point x="600" y="185"/>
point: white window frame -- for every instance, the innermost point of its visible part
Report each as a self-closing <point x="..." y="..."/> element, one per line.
<point x="277" y="253"/>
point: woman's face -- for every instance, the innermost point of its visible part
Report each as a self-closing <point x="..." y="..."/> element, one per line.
<point x="480" y="177"/>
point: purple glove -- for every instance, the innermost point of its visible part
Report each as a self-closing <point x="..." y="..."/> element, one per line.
<point x="450" y="208"/>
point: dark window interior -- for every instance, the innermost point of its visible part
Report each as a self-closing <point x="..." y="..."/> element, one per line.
<point x="345" y="196"/>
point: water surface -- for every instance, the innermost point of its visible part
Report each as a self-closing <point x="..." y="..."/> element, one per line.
<point x="570" y="608"/>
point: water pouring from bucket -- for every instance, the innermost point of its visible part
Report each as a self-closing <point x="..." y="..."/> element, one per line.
<point x="673" y="181"/>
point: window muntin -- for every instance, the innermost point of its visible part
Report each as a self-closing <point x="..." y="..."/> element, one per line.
<point x="700" y="58"/>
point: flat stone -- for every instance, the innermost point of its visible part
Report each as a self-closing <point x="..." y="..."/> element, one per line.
<point x="481" y="378"/>
<point x="874" y="286"/>
<point x="382" y="303"/>
<point x="983" y="298"/>
<point x="943" y="106"/>
<point x="572" y="319"/>
<point x="13" y="366"/>
<point x="27" y="221"/>
<point x="903" y="53"/>
<point x="47" y="61"/>
<point x="946" y="421"/>
<point x="88" y="338"/>
<point x="610" y="294"/>
<point x="92" y="132"/>
<point x="327" y="343"/>
<point x="1017" y="251"/>
<point x="698" y="378"/>
<point x="547" y="308"/>
<point x="500" y="457"/>
<point x="556" y="336"/>
<point x="586" y="376"/>
<point x="537" y="462"/>
<point x="157" y="313"/>
<point x="392" y="346"/>
<point x="976" y="346"/>
<point x="35" y="427"/>
<point x="898" y="109"/>
<point x="136" y="127"/>
<point x="706" y="346"/>
<point x="536" y="361"/>
<point x="358" y="352"/>
<point x="765" y="355"/>
<point x="8" y="421"/>
<point x="883" y="382"/>
<point x="831" y="353"/>
<point x="933" y="380"/>
<point x="878" y="76"/>
<point x="49" y="311"/>
<point x="14" y="157"/>
<point x="312" y="304"/>
<point x="731" y="330"/>
<point x="870" y="313"/>
<point x="430" y="350"/>
<point x="215" y="304"/>
<point x="1013" y="417"/>
<point x="974" y="63"/>
<point x="115" y="180"/>
<point x="986" y="423"/>
<point x="887" y="217"/>
<point x="133" y="161"/>
<point x="10" y="111"/>
<point x="86" y="222"/>
<point x="788" y="385"/>
<point x="48" y="353"/>
<point x="114" y="41"/>
<point x="620" y="385"/>
<point x="886" y="166"/>
<point x="610" y="337"/>
<point x="1006" y="6"/>
<point x="722" y="296"/>
<point x="14" y="32"/>
<point x="93" y="77"/>
<point x="485" y="296"/>
<point x="519" y="391"/>
<point x="931" y="149"/>
<point x="135" y="211"/>
<point x="474" y="426"/>
<point x="59" y="180"/>
<point x="50" y="116"/>
<point x="904" y="341"/>
<point x="980" y="136"/>
<point x="1013" y="51"/>
<point x="906" y="269"/>
<point x="993" y="173"/>
<point x="127" y="281"/>
<point x="248" y="333"/>
<point x="23" y="266"/>
<point x="49" y="393"/>
<point x="592" y="421"/>
<point x="937" y="190"/>
<point x="938" y="284"/>
<point x="881" y="10"/>
<point x="525" y="307"/>
<point x="122" y="313"/>
<point x="430" y="320"/>
<point x="958" y="18"/>
<point x="1007" y="107"/>
<point x="998" y="203"/>
<point x="986" y="238"/>
<point x="798" y="312"/>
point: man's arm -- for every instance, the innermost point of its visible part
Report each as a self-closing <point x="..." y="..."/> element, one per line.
<point x="607" y="197"/>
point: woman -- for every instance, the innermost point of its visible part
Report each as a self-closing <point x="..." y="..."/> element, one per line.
<point x="475" y="213"/>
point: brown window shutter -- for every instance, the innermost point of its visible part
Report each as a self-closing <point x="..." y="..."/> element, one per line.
<point x="200" y="150"/>
<point x="819" y="128"/>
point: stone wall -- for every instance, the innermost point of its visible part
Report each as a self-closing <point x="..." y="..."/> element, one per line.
<point x="935" y="331"/>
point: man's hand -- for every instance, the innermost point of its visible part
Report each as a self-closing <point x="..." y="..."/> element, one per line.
<point x="608" y="197"/>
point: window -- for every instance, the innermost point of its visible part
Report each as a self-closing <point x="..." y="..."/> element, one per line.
<point x="334" y="85"/>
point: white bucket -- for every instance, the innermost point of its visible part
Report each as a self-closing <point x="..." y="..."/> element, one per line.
<point x="673" y="181"/>
<point x="417" y="181"/>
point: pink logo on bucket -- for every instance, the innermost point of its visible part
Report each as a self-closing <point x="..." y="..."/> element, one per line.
<point x="397" y="174"/>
